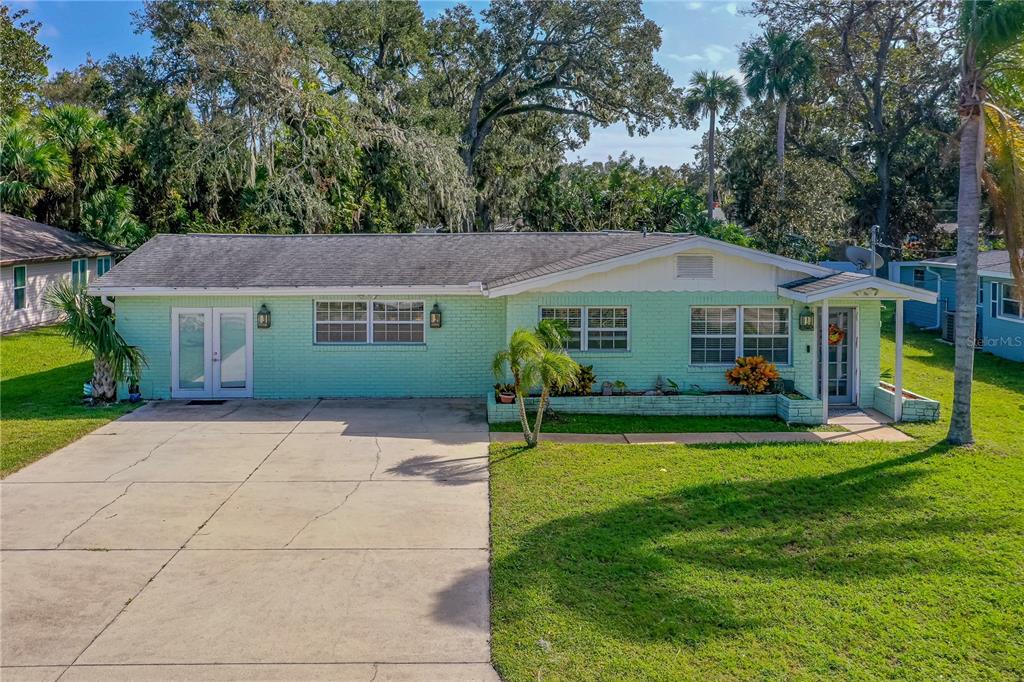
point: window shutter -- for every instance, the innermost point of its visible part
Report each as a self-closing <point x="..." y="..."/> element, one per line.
<point x="695" y="267"/>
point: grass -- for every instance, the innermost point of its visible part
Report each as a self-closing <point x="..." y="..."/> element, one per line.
<point x="41" y="379"/>
<point x="625" y="423"/>
<point x="780" y="561"/>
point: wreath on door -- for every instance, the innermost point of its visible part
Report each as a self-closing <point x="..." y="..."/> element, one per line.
<point x="836" y="334"/>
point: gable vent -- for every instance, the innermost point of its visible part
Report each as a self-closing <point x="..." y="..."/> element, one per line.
<point x="695" y="267"/>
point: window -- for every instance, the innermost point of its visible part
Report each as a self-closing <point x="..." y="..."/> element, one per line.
<point x="340" y="322"/>
<point x="102" y="265"/>
<point x="398" y="322"/>
<point x="79" y="272"/>
<point x="766" y="333"/>
<point x="918" y="277"/>
<point x="598" y="328"/>
<point x="1010" y="303"/>
<point x="981" y="292"/>
<point x="573" y="318"/>
<point x="19" y="286"/>
<point x="712" y="336"/>
<point x="718" y="335"/>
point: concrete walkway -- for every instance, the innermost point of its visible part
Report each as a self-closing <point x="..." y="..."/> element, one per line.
<point x="861" y="426"/>
<point x="271" y="540"/>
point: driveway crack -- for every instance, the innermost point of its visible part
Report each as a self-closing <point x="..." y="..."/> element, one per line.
<point x="323" y="514"/>
<point x="93" y="515"/>
<point x="376" y="465"/>
<point x="148" y="455"/>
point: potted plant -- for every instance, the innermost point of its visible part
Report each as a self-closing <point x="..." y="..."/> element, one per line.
<point x="619" y="387"/>
<point x="506" y="393"/>
<point x="134" y="392"/>
<point x="673" y="387"/>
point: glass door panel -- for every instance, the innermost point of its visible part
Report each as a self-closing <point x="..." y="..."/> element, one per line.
<point x="233" y="370"/>
<point x="840" y="357"/>
<point x="190" y="353"/>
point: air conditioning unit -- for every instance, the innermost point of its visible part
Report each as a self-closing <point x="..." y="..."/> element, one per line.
<point x="949" y="326"/>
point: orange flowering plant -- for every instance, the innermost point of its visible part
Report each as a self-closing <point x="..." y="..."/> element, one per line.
<point x="753" y="374"/>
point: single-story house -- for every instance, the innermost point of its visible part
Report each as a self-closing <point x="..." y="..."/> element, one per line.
<point x="1000" y="322"/>
<point x="406" y="315"/>
<point x="32" y="257"/>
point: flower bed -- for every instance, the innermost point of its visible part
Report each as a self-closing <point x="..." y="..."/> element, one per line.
<point x="916" y="408"/>
<point x="799" y="410"/>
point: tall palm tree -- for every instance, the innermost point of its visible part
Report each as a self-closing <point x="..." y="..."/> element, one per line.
<point x="991" y="31"/>
<point x="90" y="144"/>
<point x="711" y="94"/>
<point x="29" y="167"/>
<point x="774" y="68"/>
<point x="89" y="324"/>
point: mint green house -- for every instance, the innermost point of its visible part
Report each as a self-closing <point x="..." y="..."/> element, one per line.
<point x="417" y="315"/>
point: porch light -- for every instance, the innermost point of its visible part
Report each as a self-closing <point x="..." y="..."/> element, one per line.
<point x="435" y="317"/>
<point x="263" y="317"/>
<point x="806" y="320"/>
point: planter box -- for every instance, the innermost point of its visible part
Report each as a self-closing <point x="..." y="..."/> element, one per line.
<point x="916" y="408"/>
<point x="799" y="411"/>
<point x="765" y="405"/>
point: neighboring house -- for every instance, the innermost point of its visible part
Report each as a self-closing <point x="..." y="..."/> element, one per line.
<point x="32" y="257"/>
<point x="422" y="315"/>
<point x="1000" y="311"/>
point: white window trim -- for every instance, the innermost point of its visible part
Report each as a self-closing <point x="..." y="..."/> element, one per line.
<point x="585" y="327"/>
<point x="369" y="323"/>
<point x="85" y="270"/>
<point x="740" y="335"/>
<point x="23" y="287"/>
<point x="1003" y="288"/>
<point x="103" y="259"/>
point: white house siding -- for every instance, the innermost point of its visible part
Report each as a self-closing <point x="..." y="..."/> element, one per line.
<point x="38" y="276"/>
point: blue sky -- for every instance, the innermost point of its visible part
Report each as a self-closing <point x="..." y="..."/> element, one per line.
<point x="695" y="35"/>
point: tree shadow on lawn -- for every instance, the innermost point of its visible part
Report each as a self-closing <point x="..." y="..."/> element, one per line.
<point x="668" y="568"/>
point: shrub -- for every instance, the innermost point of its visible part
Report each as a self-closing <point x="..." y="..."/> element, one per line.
<point x="583" y="385"/>
<point x="753" y="374"/>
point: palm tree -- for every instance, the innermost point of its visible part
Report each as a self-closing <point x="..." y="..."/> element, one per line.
<point x="536" y="358"/>
<point x="711" y="94"/>
<point x="29" y="167"/>
<point x="991" y="31"/>
<point x="774" y="69"/>
<point x="90" y="144"/>
<point x="89" y="324"/>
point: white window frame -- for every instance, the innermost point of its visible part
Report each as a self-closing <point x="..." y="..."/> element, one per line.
<point x="738" y="347"/>
<point x="370" y="341"/>
<point x="918" y="277"/>
<point x="83" y="271"/>
<point x="103" y="259"/>
<point x="584" y="328"/>
<point x="1004" y="290"/>
<point x="23" y="288"/>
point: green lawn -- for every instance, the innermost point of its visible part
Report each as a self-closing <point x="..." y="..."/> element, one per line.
<point x="783" y="561"/>
<point x="41" y="379"/>
<point x="626" y="423"/>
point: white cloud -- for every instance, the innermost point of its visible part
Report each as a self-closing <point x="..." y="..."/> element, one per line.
<point x="712" y="54"/>
<point x="731" y="8"/>
<point x="694" y="5"/>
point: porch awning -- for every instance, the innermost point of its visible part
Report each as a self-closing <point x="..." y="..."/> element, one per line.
<point x="856" y="285"/>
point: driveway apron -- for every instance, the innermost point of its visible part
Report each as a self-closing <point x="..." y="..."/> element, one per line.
<point x="273" y="540"/>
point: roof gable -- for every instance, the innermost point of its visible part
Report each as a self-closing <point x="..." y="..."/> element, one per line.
<point x="26" y="241"/>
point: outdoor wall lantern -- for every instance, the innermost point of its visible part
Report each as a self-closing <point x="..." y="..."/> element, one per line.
<point x="806" y="320"/>
<point x="263" y="317"/>
<point x="435" y="317"/>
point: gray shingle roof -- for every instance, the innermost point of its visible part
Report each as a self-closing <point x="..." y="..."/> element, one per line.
<point x="366" y="260"/>
<point x="810" y="285"/>
<point x="996" y="260"/>
<point x="26" y="241"/>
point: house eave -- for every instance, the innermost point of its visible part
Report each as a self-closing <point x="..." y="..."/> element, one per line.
<point x="867" y="288"/>
<point x="471" y="289"/>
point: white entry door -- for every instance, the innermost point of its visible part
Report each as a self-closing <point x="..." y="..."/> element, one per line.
<point x="211" y="353"/>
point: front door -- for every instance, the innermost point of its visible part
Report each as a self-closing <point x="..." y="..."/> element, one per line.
<point x="842" y="370"/>
<point x="211" y="353"/>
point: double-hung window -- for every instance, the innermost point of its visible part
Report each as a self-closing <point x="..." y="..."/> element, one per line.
<point x="19" y="286"/>
<point x="102" y="265"/>
<point x="364" y="322"/>
<point x="593" y="328"/>
<point x="1010" y="306"/>
<point x="720" y="334"/>
<point x="79" y="272"/>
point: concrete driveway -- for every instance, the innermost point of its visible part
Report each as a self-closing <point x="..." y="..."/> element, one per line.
<point x="253" y="540"/>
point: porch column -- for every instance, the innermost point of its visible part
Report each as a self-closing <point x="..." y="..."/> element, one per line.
<point x="898" y="374"/>
<point x="823" y="361"/>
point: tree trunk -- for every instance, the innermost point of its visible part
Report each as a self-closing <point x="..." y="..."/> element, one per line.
<point x="972" y="142"/>
<point x="540" y="414"/>
<point x="711" y="167"/>
<point x="524" y="421"/>
<point x="780" y="147"/>
<point x="103" y="385"/>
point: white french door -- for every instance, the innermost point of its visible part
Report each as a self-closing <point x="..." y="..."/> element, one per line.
<point x="211" y="352"/>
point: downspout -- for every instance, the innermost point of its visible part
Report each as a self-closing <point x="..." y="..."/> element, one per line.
<point x="105" y="300"/>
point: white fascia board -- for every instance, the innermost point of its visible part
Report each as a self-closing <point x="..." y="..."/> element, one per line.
<point x="472" y="289"/>
<point x="685" y="244"/>
<point x="886" y="290"/>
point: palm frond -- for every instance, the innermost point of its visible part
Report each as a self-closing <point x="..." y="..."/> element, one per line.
<point x="1003" y="178"/>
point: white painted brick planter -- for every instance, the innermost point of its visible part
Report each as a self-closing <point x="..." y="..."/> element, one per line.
<point x="916" y="409"/>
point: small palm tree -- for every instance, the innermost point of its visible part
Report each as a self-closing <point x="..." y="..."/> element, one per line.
<point x="992" y="32"/>
<point x="775" y="67"/>
<point x="29" y="167"/>
<point x="711" y="94"/>
<point x="536" y="358"/>
<point x="90" y="325"/>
